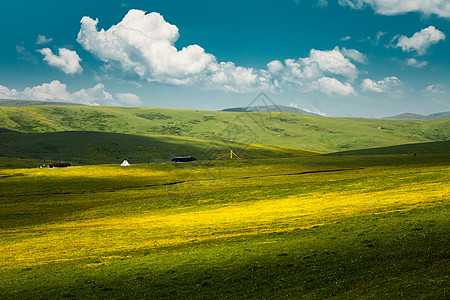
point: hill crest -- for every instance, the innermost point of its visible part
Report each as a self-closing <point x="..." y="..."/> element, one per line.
<point x="271" y="108"/>
<point x="414" y="116"/>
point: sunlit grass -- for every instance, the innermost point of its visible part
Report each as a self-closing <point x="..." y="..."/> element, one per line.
<point x="75" y="224"/>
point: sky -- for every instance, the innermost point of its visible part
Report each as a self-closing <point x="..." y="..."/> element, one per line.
<point x="358" y="58"/>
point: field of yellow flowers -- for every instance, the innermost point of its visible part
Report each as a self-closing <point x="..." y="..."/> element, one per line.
<point x="308" y="227"/>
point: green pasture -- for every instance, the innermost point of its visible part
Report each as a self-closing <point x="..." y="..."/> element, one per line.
<point x="418" y="148"/>
<point x="342" y="227"/>
<point x="80" y="148"/>
<point x="324" y="134"/>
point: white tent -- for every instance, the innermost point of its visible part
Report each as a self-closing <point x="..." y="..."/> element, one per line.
<point x="125" y="163"/>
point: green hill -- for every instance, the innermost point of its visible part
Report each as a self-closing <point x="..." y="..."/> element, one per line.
<point x="440" y="115"/>
<point x="325" y="134"/>
<point x="271" y="108"/>
<point x="12" y="102"/>
<point x="81" y="147"/>
<point x="420" y="148"/>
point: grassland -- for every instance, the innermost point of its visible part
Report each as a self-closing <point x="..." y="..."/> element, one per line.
<point x="290" y="130"/>
<point x="419" y="148"/>
<point x="306" y="227"/>
<point x="279" y="223"/>
<point x="79" y="147"/>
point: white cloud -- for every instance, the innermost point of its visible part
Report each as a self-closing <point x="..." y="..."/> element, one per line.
<point x="144" y="45"/>
<point x="57" y="91"/>
<point x="42" y="40"/>
<point x="332" y="86"/>
<point x="355" y="55"/>
<point x="54" y="90"/>
<point x="129" y="99"/>
<point x="388" y="85"/>
<point x="20" y="49"/>
<point x="345" y="38"/>
<point x="328" y="62"/>
<point x="378" y="36"/>
<point x="421" y="41"/>
<point x="275" y="66"/>
<point x="6" y="93"/>
<point x="303" y="73"/>
<point x="67" y="61"/>
<point x="322" y="3"/>
<point x="440" y="8"/>
<point x="434" y="90"/>
<point x="412" y="62"/>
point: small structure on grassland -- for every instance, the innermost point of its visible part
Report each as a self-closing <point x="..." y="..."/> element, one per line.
<point x="180" y="159"/>
<point x="59" y="165"/>
<point x="232" y="153"/>
<point x="125" y="163"/>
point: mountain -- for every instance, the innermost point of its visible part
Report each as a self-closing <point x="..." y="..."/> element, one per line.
<point x="271" y="108"/>
<point x="413" y="116"/>
<point x="10" y="102"/>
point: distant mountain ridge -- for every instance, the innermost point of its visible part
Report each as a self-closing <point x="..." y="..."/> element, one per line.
<point x="13" y="102"/>
<point x="434" y="116"/>
<point x="272" y="108"/>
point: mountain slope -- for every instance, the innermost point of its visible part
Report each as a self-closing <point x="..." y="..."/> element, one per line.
<point x="420" y="148"/>
<point x="440" y="115"/>
<point x="271" y="108"/>
<point x="10" y="102"/>
<point x="81" y="147"/>
<point x="324" y="134"/>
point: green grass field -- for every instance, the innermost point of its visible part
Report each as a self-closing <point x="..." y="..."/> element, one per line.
<point x="79" y="148"/>
<point x="345" y="227"/>
<point x="368" y="220"/>
<point x="312" y="133"/>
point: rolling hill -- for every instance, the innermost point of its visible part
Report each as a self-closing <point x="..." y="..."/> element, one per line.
<point x="325" y="134"/>
<point x="440" y="115"/>
<point x="271" y="108"/>
<point x="11" y="102"/>
<point x="420" y="148"/>
<point x="84" y="147"/>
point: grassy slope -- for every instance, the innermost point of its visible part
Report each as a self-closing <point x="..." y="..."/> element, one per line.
<point x="232" y="230"/>
<point x="11" y="102"/>
<point x="419" y="148"/>
<point x="80" y="147"/>
<point x="281" y="129"/>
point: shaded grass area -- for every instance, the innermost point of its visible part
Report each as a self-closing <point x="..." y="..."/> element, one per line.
<point x="419" y="148"/>
<point x="81" y="147"/>
<point x="325" y="134"/>
<point x="229" y="229"/>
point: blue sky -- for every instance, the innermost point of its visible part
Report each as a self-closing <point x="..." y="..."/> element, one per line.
<point x="365" y="58"/>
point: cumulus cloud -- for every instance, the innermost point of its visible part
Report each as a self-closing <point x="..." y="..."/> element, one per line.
<point x="412" y="62"/>
<point x="421" y="41"/>
<point x="332" y="86"/>
<point x="345" y="38"/>
<point x="388" y="85"/>
<point x="67" y="61"/>
<point x="331" y="62"/>
<point x="354" y="55"/>
<point x="440" y="8"/>
<point x="6" y="93"/>
<point x="42" y="40"/>
<point x="275" y="66"/>
<point x="57" y="91"/>
<point x="144" y="45"/>
<point x="129" y="99"/>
